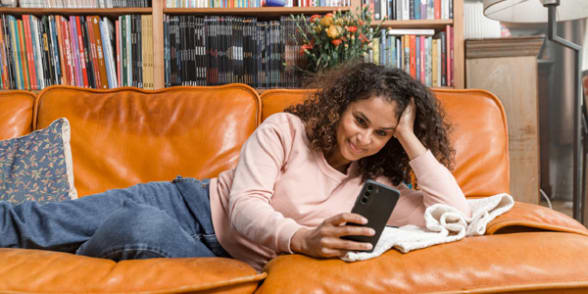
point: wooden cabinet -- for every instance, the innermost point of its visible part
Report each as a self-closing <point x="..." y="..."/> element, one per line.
<point x="507" y="67"/>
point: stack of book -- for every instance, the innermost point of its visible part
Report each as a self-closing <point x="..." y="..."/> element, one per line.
<point x="84" y="51"/>
<point x="83" y="3"/>
<point x="427" y="56"/>
<point x="410" y="9"/>
<point x="215" y="50"/>
<point x="253" y="3"/>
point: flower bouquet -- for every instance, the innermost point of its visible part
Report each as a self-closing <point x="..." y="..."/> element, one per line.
<point x="333" y="38"/>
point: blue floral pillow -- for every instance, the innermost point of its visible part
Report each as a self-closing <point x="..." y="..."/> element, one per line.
<point x="38" y="166"/>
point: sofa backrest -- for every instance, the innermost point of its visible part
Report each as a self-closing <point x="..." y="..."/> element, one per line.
<point x="16" y="113"/>
<point x="126" y="136"/>
<point x="479" y="135"/>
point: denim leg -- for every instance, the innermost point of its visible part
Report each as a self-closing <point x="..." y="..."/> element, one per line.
<point x="141" y="231"/>
<point x="64" y="226"/>
<point x="197" y="198"/>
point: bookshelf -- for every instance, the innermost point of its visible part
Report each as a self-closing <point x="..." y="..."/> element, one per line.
<point x="158" y="11"/>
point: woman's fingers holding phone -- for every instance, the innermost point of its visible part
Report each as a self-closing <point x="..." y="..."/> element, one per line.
<point x="346" y="217"/>
<point x="325" y="241"/>
<point x="342" y="246"/>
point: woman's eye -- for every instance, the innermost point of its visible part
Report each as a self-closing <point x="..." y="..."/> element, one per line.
<point x="382" y="133"/>
<point x="360" y="121"/>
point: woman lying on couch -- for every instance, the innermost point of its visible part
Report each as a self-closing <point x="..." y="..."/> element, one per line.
<point x="291" y="192"/>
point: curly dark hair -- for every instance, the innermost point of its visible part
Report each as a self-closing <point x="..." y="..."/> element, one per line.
<point x="351" y="82"/>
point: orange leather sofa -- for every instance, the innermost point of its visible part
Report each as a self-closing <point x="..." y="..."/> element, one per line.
<point x="125" y="136"/>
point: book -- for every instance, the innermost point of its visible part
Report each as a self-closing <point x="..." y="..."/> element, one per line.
<point x="13" y="31"/>
<point x="30" y="52"/>
<point x="398" y="32"/>
<point x="23" y="55"/>
<point x="87" y="54"/>
<point x="99" y="53"/>
<point x="37" y="45"/>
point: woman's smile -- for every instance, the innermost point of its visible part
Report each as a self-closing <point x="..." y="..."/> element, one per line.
<point x="354" y="148"/>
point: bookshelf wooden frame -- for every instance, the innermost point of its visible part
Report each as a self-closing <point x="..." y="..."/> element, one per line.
<point x="159" y="10"/>
<point x="76" y="11"/>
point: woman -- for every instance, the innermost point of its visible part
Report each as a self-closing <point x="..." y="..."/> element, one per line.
<point x="291" y="192"/>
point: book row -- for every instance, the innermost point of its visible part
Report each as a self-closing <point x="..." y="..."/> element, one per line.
<point x="254" y="3"/>
<point x="103" y="52"/>
<point x="427" y="56"/>
<point x="81" y="3"/>
<point x="410" y="9"/>
<point x="83" y="51"/>
<point x="213" y="50"/>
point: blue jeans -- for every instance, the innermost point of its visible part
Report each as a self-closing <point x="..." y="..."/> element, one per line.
<point x="158" y="219"/>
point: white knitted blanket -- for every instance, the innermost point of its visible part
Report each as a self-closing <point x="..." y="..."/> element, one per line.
<point x="443" y="224"/>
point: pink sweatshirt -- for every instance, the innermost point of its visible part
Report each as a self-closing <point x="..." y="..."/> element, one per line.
<point x="280" y="185"/>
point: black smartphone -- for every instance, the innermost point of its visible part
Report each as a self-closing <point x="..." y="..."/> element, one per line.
<point x="375" y="202"/>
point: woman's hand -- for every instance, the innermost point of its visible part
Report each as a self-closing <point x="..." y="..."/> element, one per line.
<point x="404" y="132"/>
<point x="405" y="126"/>
<point x="324" y="241"/>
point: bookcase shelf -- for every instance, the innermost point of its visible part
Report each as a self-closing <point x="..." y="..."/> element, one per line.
<point x="258" y="12"/>
<point x="415" y="24"/>
<point x="77" y="11"/>
<point x="158" y="12"/>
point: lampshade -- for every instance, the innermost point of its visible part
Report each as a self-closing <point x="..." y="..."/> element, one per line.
<point x="533" y="11"/>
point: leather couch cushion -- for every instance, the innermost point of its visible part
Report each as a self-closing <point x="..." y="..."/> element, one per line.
<point x="37" y="271"/>
<point x="506" y="263"/>
<point x="479" y="135"/>
<point x="16" y="113"/>
<point x="524" y="217"/>
<point x="126" y="136"/>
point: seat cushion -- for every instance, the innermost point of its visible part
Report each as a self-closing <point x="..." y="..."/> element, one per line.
<point x="126" y="136"/>
<point x="16" y="113"/>
<point x="38" y="271"/>
<point x="553" y="262"/>
<point x="479" y="135"/>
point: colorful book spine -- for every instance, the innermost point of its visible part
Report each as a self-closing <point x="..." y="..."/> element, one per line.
<point x="118" y="54"/>
<point x="4" y="58"/>
<point x="82" y="52"/>
<point x="38" y="59"/>
<point x="75" y="52"/>
<point x="129" y="61"/>
<point x="30" y="52"/>
<point x="23" y="55"/>
<point x="13" y="29"/>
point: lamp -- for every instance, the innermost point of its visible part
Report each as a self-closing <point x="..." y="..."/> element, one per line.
<point x="552" y="11"/>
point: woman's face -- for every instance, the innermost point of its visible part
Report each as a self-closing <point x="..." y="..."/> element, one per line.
<point x="365" y="127"/>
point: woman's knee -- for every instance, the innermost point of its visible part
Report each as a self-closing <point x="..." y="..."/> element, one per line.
<point x="135" y="231"/>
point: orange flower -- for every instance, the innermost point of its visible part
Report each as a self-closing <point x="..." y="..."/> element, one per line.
<point x="363" y="38"/>
<point x="327" y="20"/>
<point x="314" y="17"/>
<point x="336" y="42"/>
<point x="351" y="29"/>
<point x="333" y="32"/>
<point x="305" y="47"/>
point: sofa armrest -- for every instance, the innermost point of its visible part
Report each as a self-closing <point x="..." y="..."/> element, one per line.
<point x="526" y="217"/>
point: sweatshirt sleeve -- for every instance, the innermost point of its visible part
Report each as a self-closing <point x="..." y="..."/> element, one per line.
<point x="261" y="159"/>
<point x="436" y="185"/>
